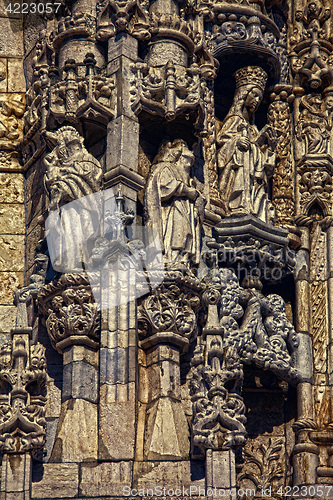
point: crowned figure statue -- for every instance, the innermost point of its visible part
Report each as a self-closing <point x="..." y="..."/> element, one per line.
<point x="245" y="154"/>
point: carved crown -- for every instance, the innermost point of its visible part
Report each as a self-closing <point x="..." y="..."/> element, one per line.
<point x="251" y="75"/>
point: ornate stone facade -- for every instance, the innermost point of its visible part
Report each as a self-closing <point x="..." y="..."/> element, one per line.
<point x="166" y="235"/>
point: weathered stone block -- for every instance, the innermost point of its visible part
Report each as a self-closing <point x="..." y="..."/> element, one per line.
<point x="220" y="469"/>
<point x="11" y="188"/>
<point x="80" y="353"/>
<point x="76" y="439"/>
<point x="80" y="380"/>
<point x="124" y="45"/>
<point x="117" y="413"/>
<point x="9" y="282"/>
<point x="11" y="43"/>
<point x="16" y="474"/>
<point x="7" y="318"/>
<point x="124" y="130"/>
<point x="3" y="74"/>
<point x="105" y="479"/>
<point x="118" y="338"/>
<point x="16" y="81"/>
<point x="114" y="365"/>
<point x="57" y="481"/>
<point x="169" y="474"/>
<point x="166" y="432"/>
<point x="11" y="253"/>
<point x="12" y="219"/>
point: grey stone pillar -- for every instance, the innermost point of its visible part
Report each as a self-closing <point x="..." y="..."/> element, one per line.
<point x="118" y="364"/>
<point x="221" y="470"/>
<point x="77" y="339"/>
<point x="123" y="131"/>
<point x="305" y="453"/>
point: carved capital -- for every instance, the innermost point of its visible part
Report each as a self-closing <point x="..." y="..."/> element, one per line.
<point x="70" y="313"/>
<point x="170" y="310"/>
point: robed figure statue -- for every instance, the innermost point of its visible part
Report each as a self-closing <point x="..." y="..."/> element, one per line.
<point x="72" y="180"/>
<point x="245" y="155"/>
<point x="173" y="205"/>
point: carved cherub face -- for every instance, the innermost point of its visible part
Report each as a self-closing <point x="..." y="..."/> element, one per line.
<point x="253" y="99"/>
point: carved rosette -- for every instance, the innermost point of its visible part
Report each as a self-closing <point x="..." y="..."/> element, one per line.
<point x="23" y="390"/>
<point x="71" y="316"/>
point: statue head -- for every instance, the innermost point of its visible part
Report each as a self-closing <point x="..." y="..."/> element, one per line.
<point x="173" y="152"/>
<point x="250" y="87"/>
<point x="66" y="141"/>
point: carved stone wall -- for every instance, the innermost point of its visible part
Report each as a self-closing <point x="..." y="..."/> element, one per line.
<point x="12" y="209"/>
<point x="166" y="249"/>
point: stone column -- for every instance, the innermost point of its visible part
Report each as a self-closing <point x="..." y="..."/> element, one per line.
<point x="22" y="422"/>
<point x="330" y="312"/>
<point x="123" y="131"/>
<point x="166" y="323"/>
<point x="72" y="321"/>
<point x="118" y="360"/>
<point x="305" y="453"/>
<point x="166" y="430"/>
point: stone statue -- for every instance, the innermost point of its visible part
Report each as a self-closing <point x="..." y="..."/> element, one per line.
<point x="72" y="180"/>
<point x="314" y="125"/>
<point x="174" y="207"/>
<point x="245" y="156"/>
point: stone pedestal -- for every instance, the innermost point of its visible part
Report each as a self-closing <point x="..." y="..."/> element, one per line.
<point x="221" y="470"/>
<point x="16" y="477"/>
<point x="166" y="429"/>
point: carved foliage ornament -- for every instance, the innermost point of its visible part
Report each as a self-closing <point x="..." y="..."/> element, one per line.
<point x="71" y="315"/>
<point x="69" y="94"/>
<point x="169" y="91"/>
<point x="242" y="326"/>
<point x="22" y="404"/>
<point x="171" y="307"/>
<point x="122" y="16"/>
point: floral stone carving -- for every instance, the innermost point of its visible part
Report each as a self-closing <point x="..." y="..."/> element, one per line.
<point x="23" y="389"/>
<point x="71" y="315"/>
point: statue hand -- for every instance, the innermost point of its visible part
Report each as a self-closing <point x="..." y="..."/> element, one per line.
<point x="243" y="144"/>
